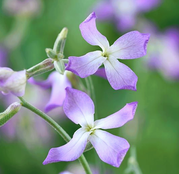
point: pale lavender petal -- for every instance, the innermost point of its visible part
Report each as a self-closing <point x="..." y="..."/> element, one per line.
<point x="119" y="75"/>
<point x="79" y="107"/>
<point x="5" y="73"/>
<point x="70" y="151"/>
<point x="101" y="73"/>
<point x="16" y="83"/>
<point x="12" y="81"/>
<point x="91" y="34"/>
<point x="130" y="46"/>
<point x="110" y="148"/>
<point x="58" y="93"/>
<point x="58" y="83"/>
<point x="119" y="118"/>
<point x="85" y="65"/>
<point x="45" y="84"/>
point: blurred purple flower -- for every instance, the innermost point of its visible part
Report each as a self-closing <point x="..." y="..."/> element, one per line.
<point x="79" y="108"/>
<point x="22" y="7"/>
<point x="129" y="46"/>
<point x="76" y="168"/>
<point x="123" y="12"/>
<point x="25" y="125"/>
<point x="12" y="81"/>
<point x="163" y="53"/>
<point x="58" y="83"/>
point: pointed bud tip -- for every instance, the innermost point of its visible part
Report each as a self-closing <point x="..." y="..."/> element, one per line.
<point x="9" y="112"/>
<point x="63" y="33"/>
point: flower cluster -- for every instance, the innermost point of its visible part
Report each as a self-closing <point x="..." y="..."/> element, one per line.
<point x="77" y="105"/>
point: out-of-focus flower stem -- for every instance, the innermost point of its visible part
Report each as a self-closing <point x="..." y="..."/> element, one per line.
<point x="58" y="128"/>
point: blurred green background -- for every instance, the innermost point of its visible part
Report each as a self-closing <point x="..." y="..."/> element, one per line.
<point x="154" y="131"/>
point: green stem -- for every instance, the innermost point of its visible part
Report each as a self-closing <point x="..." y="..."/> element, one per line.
<point x="58" y="128"/>
<point x="90" y="88"/>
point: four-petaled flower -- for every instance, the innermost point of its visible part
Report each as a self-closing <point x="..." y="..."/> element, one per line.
<point x="79" y="108"/>
<point x="12" y="81"/>
<point x="129" y="46"/>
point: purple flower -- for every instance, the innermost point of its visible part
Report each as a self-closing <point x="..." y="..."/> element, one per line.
<point x="129" y="46"/>
<point x="58" y="83"/>
<point x="22" y="7"/>
<point x="123" y="12"/>
<point x="12" y="81"/>
<point x="79" y="108"/>
<point x="163" y="53"/>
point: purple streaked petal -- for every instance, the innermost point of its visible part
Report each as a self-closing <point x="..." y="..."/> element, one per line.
<point x="130" y="46"/>
<point x="85" y="65"/>
<point x="91" y="34"/>
<point x="70" y="151"/>
<point x="79" y="107"/>
<point x="119" y="75"/>
<point x="110" y="148"/>
<point x="119" y="118"/>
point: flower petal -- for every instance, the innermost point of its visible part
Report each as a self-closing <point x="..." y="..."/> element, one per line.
<point x="91" y="34"/>
<point x="101" y="73"/>
<point x="130" y="46"/>
<point x="79" y="107"/>
<point x="119" y="75"/>
<point x="58" y="83"/>
<point x="85" y="65"/>
<point x="45" y="84"/>
<point x="110" y="148"/>
<point x="70" y="151"/>
<point x="119" y="118"/>
<point x="15" y="83"/>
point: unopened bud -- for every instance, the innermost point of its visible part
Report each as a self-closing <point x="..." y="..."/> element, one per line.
<point x="51" y="53"/>
<point x="9" y="113"/>
<point x="60" y="41"/>
<point x="42" y="67"/>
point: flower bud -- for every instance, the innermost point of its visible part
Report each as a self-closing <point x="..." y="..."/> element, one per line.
<point x="9" y="113"/>
<point x="42" y="67"/>
<point x="60" y="41"/>
<point x="12" y="81"/>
